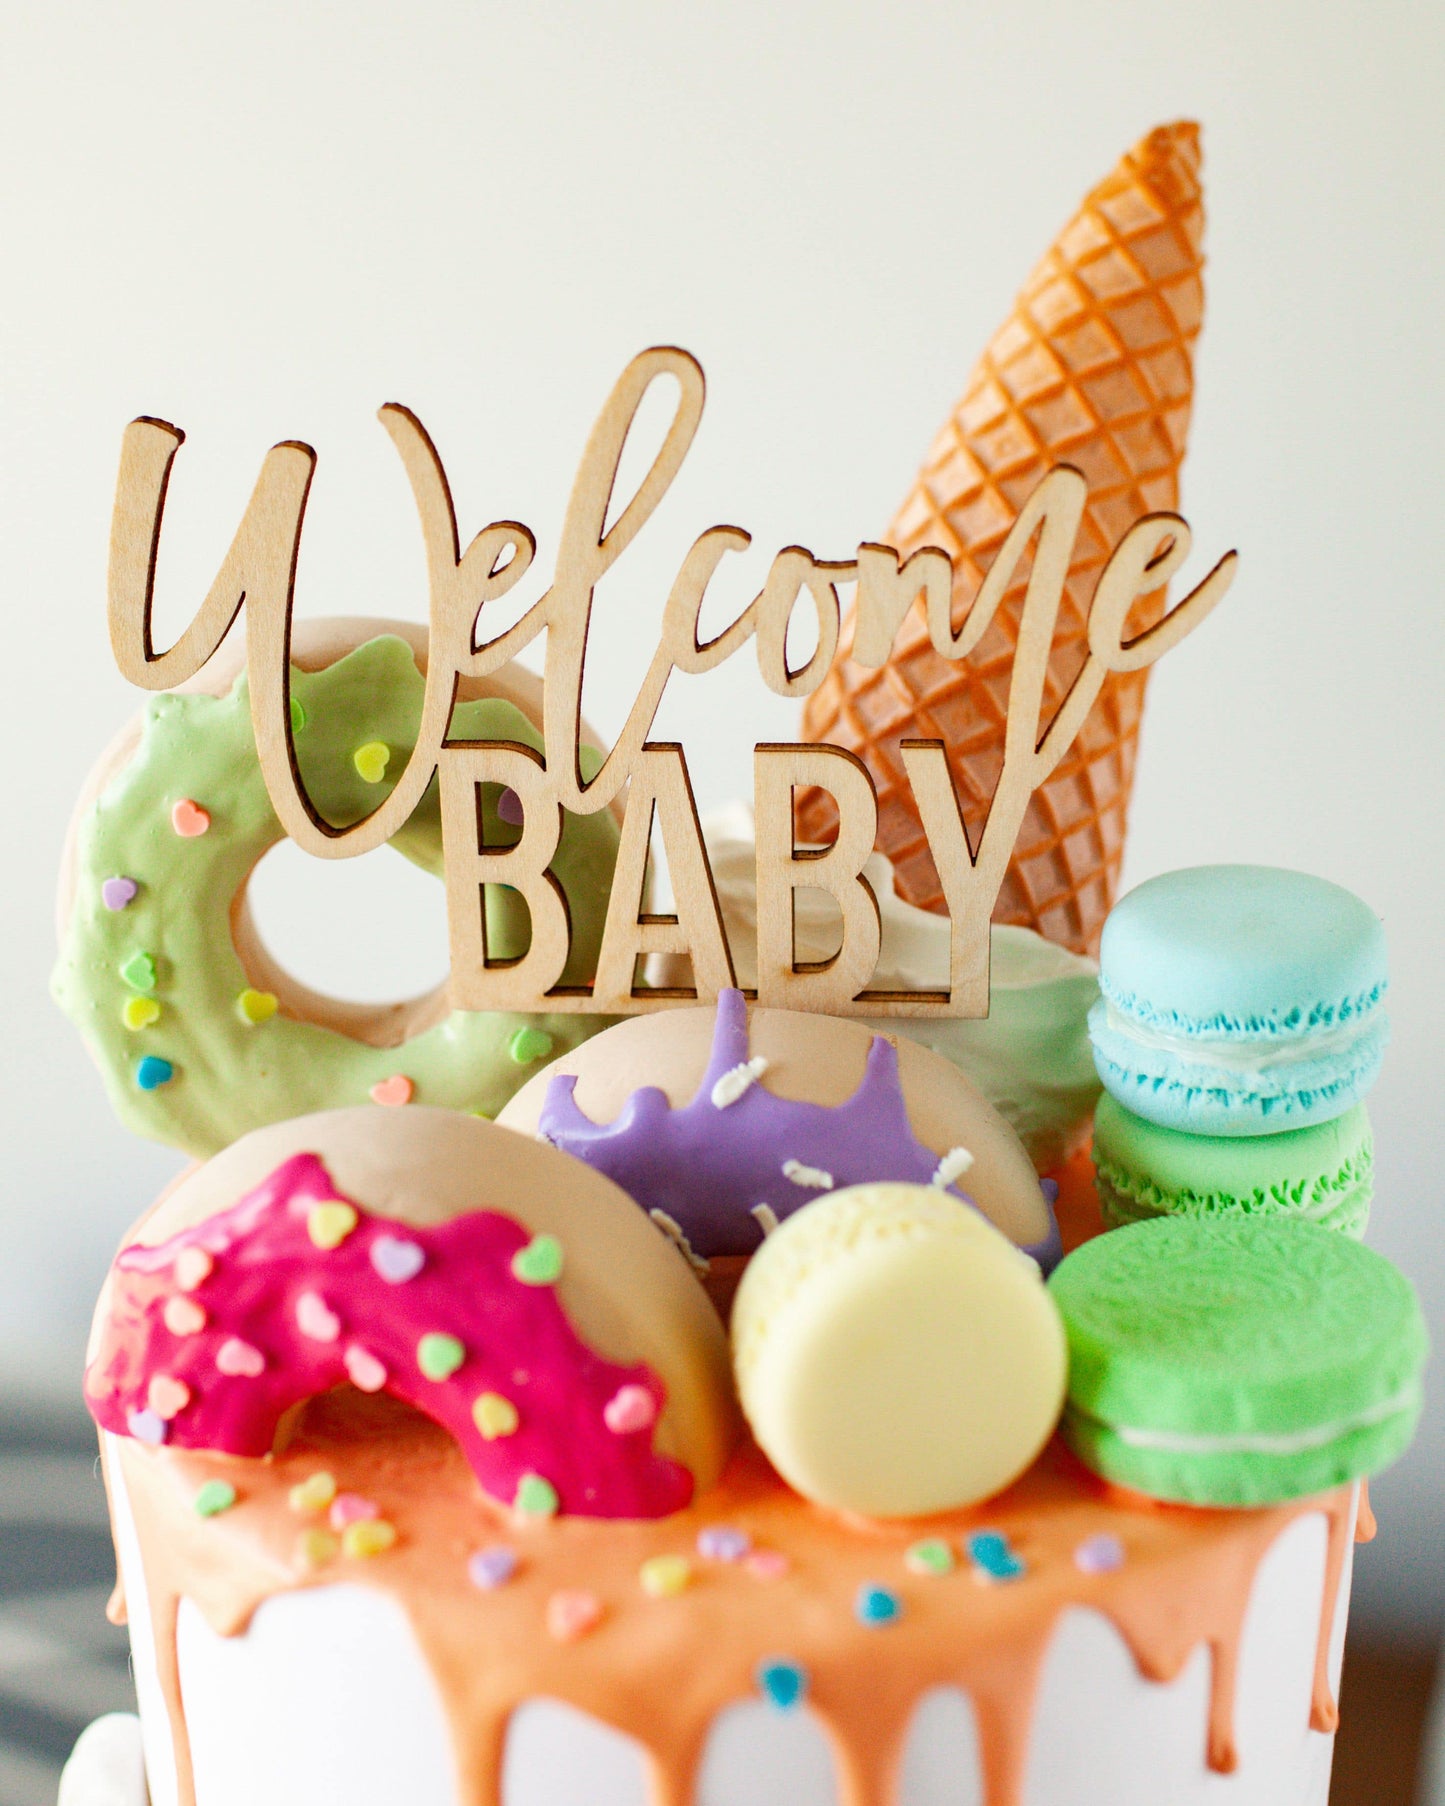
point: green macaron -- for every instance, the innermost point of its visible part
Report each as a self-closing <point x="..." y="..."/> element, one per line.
<point x="1322" y="1174"/>
<point x="1238" y="1360"/>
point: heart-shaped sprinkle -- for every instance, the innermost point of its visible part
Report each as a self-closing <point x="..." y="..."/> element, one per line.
<point x="239" y="1360"/>
<point x="536" y="1497"/>
<point x="183" y="1316"/>
<point x="571" y="1615"/>
<point x="766" y="1564"/>
<point x="529" y="1045"/>
<point x="509" y="808"/>
<point x="255" y="1007"/>
<point x="396" y="1260"/>
<point x="194" y="1266"/>
<point x="152" y="1072"/>
<point x="329" y="1223"/>
<point x="313" y="1494"/>
<point x="665" y="1576"/>
<point x="398" y="1089"/>
<point x="1102" y="1554"/>
<point x="167" y="1396"/>
<point x="363" y="1369"/>
<point x="629" y="1408"/>
<point x="439" y="1355"/>
<point x="721" y="1542"/>
<point x="539" y="1263"/>
<point x="492" y="1568"/>
<point x="495" y="1416"/>
<point x="371" y="761"/>
<point x="782" y="1684"/>
<point x="316" y="1319"/>
<point x="189" y="819"/>
<point x="214" y="1497"/>
<point x="140" y="1012"/>
<point x="992" y="1556"/>
<point x="877" y="1605"/>
<point x="352" y="1508"/>
<point x="116" y="893"/>
<point x="931" y="1556"/>
<point x="372" y="1537"/>
<point x="315" y="1547"/>
<point x="139" y="972"/>
<point x="146" y="1427"/>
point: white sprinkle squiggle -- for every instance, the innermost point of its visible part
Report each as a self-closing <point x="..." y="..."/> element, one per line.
<point x="812" y="1176"/>
<point x="954" y="1164"/>
<point x="675" y="1233"/>
<point x="736" y="1080"/>
<point x="767" y="1218"/>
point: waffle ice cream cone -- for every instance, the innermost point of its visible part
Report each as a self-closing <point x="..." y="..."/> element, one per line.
<point x="1094" y="368"/>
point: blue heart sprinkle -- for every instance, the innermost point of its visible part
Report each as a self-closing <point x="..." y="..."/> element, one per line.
<point x="990" y="1553"/>
<point x="152" y="1072"/>
<point x="877" y="1605"/>
<point x="782" y="1683"/>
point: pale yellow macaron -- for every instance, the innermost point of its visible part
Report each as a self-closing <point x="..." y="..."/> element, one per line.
<point x="895" y="1354"/>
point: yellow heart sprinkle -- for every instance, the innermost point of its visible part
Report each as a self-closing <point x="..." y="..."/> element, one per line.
<point x="314" y="1548"/>
<point x="255" y="1006"/>
<point x="140" y="1012"/>
<point x="312" y="1495"/>
<point x="329" y="1224"/>
<point x="371" y="761"/>
<point x="495" y="1416"/>
<point x="372" y="1536"/>
<point x="664" y="1576"/>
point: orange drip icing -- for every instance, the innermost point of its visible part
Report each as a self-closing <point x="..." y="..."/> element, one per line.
<point x="1186" y="1580"/>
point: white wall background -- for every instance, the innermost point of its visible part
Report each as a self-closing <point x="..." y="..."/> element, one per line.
<point x="262" y="221"/>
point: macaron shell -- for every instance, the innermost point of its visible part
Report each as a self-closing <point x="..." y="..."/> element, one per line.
<point x="1321" y="1175"/>
<point x="896" y="1355"/>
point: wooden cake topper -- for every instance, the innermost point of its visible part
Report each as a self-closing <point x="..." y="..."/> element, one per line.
<point x="259" y="573"/>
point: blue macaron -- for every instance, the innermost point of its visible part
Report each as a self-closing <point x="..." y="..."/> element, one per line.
<point x="1240" y="1000"/>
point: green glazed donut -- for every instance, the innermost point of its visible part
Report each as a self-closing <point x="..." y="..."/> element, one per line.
<point x="199" y="1035"/>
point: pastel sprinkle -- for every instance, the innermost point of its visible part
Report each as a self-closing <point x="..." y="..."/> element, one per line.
<point x="394" y="1092"/>
<point x="316" y="1319"/>
<point x="783" y="1684"/>
<point x="1102" y="1554"/>
<point x="329" y="1223"/>
<point x="396" y="1260"/>
<point x="239" y="1360"/>
<point x="509" y="808"/>
<point x="536" y="1497"/>
<point x="193" y="1267"/>
<point x="540" y="1262"/>
<point x="813" y="1177"/>
<point x="931" y="1556"/>
<point x="152" y="1072"/>
<point x="439" y="1355"/>
<point x="373" y="1536"/>
<point x="665" y="1576"/>
<point x="140" y="1012"/>
<point x="877" y="1605"/>
<point x="529" y="1045"/>
<point x="371" y="761"/>
<point x="139" y="972"/>
<point x="737" y="1080"/>
<point x="766" y="1218"/>
<point x="316" y="1547"/>
<point x="992" y="1557"/>
<point x="311" y="1496"/>
<point x="352" y="1508"/>
<point x="954" y="1164"/>
<point x="630" y="1408"/>
<point x="189" y="819"/>
<point x="495" y="1416"/>
<point x="721" y="1542"/>
<point x="766" y="1564"/>
<point x="363" y="1369"/>
<point x="167" y="1396"/>
<point x="492" y="1568"/>
<point x="213" y="1498"/>
<point x="255" y="1007"/>
<point x="116" y="893"/>
<point x="183" y="1316"/>
<point x="146" y="1427"/>
<point x="571" y="1616"/>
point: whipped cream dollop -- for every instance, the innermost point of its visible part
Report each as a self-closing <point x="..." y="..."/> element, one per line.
<point x="1030" y="1055"/>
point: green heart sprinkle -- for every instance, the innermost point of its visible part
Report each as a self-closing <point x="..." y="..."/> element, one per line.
<point x="439" y="1356"/>
<point x="536" y="1497"/>
<point x="931" y="1556"/>
<point x="298" y="716"/>
<point x="139" y="972"/>
<point x="539" y="1263"/>
<point x="371" y="761"/>
<point x="213" y="1498"/>
<point x="529" y="1045"/>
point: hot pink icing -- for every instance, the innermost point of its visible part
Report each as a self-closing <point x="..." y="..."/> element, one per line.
<point x="367" y="1307"/>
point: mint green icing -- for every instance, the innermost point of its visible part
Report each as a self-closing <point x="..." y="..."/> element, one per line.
<point x="230" y="1075"/>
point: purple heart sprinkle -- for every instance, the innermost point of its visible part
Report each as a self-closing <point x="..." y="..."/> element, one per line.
<point x="1050" y="1188"/>
<point x="509" y="808"/>
<point x="396" y="1260"/>
<point x="720" y="1542"/>
<point x="492" y="1568"/>
<point x="1101" y="1554"/>
<point x="115" y="893"/>
<point x="146" y="1427"/>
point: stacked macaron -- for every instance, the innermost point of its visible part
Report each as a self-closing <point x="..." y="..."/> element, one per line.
<point x="1241" y="1023"/>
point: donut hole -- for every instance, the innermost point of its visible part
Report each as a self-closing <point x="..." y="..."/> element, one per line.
<point x="359" y="945"/>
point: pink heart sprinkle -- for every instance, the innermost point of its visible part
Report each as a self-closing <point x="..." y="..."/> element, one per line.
<point x="193" y="1266"/>
<point x="398" y="1089"/>
<point x="316" y="1319"/>
<point x="183" y="1316"/>
<point x="167" y="1396"/>
<point x="115" y="893"/>
<point x="631" y="1408"/>
<point x="189" y="819"/>
<point x="352" y="1508"/>
<point x="238" y="1360"/>
<point x="397" y="1260"/>
<point x="363" y="1369"/>
<point x="572" y="1615"/>
<point x="766" y="1564"/>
